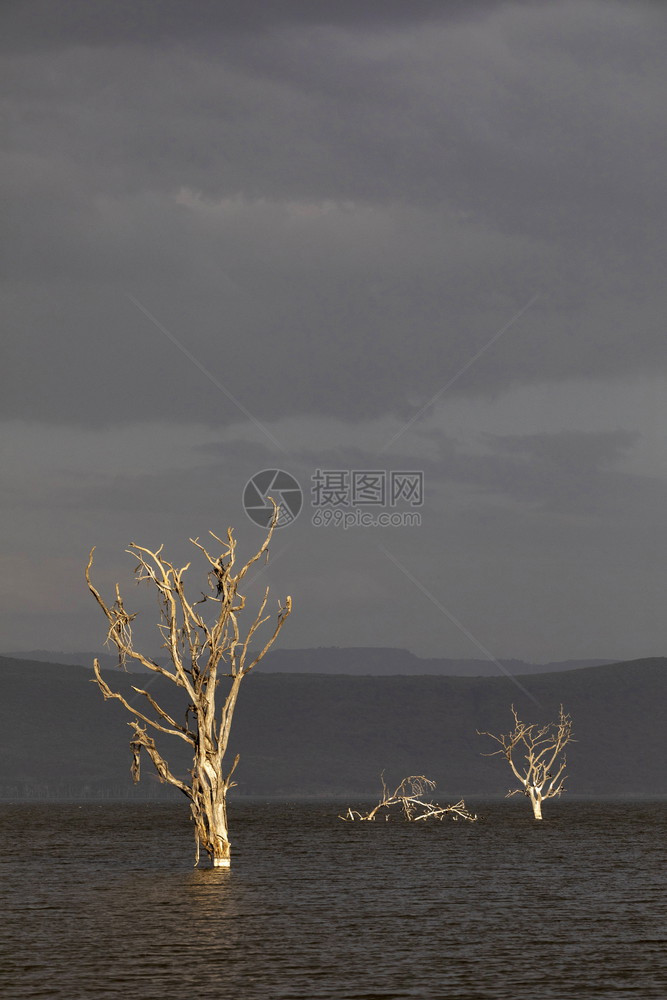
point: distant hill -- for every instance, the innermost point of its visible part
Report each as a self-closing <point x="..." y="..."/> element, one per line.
<point x="312" y="734"/>
<point x="376" y="661"/>
<point x="380" y="661"/>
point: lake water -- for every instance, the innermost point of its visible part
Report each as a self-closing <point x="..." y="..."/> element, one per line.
<point x="101" y="900"/>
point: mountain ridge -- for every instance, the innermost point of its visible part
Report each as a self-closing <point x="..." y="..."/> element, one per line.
<point x="376" y="661"/>
<point x="301" y="734"/>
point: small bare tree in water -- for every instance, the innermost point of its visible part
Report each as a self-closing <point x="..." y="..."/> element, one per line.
<point x="408" y="800"/>
<point x="205" y="644"/>
<point x="536" y="756"/>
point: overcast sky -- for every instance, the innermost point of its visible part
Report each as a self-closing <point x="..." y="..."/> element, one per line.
<point x="389" y="236"/>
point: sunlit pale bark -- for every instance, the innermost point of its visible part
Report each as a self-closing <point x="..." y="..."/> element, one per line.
<point x="536" y="757"/>
<point x="208" y="654"/>
<point x="408" y="801"/>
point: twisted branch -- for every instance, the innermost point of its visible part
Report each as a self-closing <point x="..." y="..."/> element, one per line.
<point x="407" y="801"/>
<point x="535" y="755"/>
<point x="198" y="643"/>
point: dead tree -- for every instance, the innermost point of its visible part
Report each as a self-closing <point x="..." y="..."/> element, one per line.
<point x="407" y="800"/>
<point x="206" y="644"/>
<point x="536" y="756"/>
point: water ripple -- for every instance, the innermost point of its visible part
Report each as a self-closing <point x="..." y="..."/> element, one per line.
<point x="101" y="901"/>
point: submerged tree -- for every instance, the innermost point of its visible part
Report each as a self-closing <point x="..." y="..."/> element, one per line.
<point x="536" y="756"/>
<point x="205" y="643"/>
<point x="407" y="800"/>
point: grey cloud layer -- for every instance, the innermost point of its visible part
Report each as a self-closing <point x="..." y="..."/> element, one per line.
<point x="372" y="200"/>
<point x="40" y="24"/>
<point x="334" y="207"/>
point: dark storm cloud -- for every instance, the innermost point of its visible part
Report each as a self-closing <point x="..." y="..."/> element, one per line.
<point x="564" y="473"/>
<point x="333" y="207"/>
<point x="41" y="23"/>
<point x="576" y="449"/>
<point x="529" y="110"/>
<point x="374" y="194"/>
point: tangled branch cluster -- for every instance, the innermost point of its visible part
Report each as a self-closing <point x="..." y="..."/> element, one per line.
<point x="407" y="801"/>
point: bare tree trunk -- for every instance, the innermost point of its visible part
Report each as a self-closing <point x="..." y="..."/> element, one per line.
<point x="536" y="756"/>
<point x="222" y="848"/>
<point x="217" y="843"/>
<point x="536" y="803"/>
<point x="209" y="813"/>
<point x="207" y="648"/>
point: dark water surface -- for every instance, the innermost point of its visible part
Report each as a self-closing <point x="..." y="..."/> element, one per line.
<point x="102" y="901"/>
